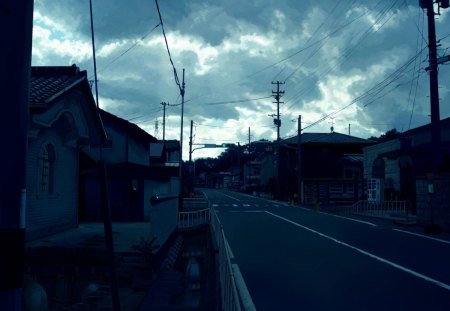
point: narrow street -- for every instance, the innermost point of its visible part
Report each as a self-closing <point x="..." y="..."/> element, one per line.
<point x="294" y="258"/>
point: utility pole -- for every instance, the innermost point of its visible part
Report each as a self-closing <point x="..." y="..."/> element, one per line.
<point x="249" y="157"/>
<point x="164" y="120"/>
<point x="180" y="162"/>
<point x="277" y="95"/>
<point x="349" y="126"/>
<point x="299" y="161"/>
<point x="191" y="178"/>
<point x="434" y="99"/>
<point x="16" y="24"/>
<point x="434" y="90"/>
<point x="239" y="163"/>
<point x="104" y="194"/>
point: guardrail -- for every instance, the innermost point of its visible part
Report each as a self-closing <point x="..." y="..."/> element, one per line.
<point x="230" y="296"/>
<point x="385" y="208"/>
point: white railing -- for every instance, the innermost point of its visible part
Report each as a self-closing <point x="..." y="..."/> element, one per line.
<point x="230" y="296"/>
<point x="197" y="212"/>
<point x="194" y="218"/>
<point x="195" y="203"/>
<point x="385" y="208"/>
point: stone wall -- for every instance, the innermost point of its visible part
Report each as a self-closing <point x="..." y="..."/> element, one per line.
<point x="435" y="207"/>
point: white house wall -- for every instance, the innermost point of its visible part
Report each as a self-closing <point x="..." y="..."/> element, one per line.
<point x="50" y="213"/>
<point x="123" y="149"/>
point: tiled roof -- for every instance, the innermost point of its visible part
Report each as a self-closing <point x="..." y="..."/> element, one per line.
<point x="47" y="83"/>
<point x="327" y="138"/>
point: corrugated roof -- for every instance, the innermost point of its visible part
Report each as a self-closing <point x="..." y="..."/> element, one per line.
<point x="49" y="82"/>
<point x="128" y="127"/>
<point x="327" y="138"/>
<point x="353" y="157"/>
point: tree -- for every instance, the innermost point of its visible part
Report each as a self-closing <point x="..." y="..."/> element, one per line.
<point x="389" y="135"/>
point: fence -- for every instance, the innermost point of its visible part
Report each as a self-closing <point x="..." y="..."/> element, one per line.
<point x="198" y="212"/>
<point x="230" y="297"/>
<point x="192" y="219"/>
<point x="381" y="209"/>
<point x="195" y="203"/>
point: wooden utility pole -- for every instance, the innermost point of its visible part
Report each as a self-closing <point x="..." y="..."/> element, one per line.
<point x="16" y="23"/>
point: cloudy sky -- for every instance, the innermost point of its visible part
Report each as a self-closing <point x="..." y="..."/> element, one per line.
<point x="359" y="62"/>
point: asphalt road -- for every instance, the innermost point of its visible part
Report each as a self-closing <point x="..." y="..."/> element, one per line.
<point x="293" y="258"/>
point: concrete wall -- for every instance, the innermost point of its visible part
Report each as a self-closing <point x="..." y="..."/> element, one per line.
<point x="372" y="152"/>
<point x="434" y="207"/>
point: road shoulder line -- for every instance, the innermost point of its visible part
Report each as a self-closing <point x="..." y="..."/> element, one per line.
<point x="422" y="236"/>
<point x="390" y="263"/>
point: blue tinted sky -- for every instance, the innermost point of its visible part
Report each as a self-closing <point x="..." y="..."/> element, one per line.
<point x="362" y="55"/>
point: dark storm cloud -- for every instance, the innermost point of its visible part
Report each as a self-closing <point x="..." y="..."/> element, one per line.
<point x="329" y="53"/>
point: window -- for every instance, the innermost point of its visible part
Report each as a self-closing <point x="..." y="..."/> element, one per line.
<point x="47" y="176"/>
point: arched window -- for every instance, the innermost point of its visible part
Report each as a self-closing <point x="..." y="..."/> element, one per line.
<point x="47" y="178"/>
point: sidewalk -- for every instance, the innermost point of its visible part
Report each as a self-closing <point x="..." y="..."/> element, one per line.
<point x="73" y="269"/>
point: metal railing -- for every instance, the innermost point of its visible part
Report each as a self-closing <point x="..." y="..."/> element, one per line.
<point x="198" y="212"/>
<point x="385" y="208"/>
<point x="195" y="203"/>
<point x="194" y="218"/>
<point x="230" y="296"/>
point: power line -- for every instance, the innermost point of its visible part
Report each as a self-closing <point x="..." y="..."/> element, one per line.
<point x="238" y="101"/>
<point x="374" y="90"/>
<point x="304" y="48"/>
<point x="417" y="81"/>
<point x="177" y="81"/>
<point x="365" y="34"/>
<point x="129" y="49"/>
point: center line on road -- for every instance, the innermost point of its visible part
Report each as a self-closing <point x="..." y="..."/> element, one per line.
<point x="390" y="263"/>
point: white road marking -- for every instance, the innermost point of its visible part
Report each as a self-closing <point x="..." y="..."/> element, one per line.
<point x="235" y="205"/>
<point x="247" y="211"/>
<point x="230" y="196"/>
<point x="215" y="205"/>
<point x="246" y="205"/>
<point x="390" y="263"/>
<point x="423" y="236"/>
<point x="352" y="219"/>
<point x="242" y="289"/>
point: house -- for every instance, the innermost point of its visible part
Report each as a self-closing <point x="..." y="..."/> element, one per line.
<point x="63" y="119"/>
<point x="135" y="174"/>
<point x="331" y="168"/>
<point x="397" y="168"/>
